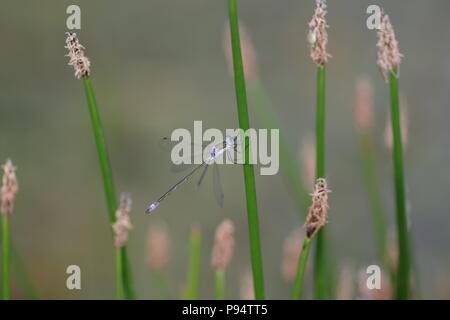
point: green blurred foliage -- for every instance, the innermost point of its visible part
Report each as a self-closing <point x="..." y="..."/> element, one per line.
<point x="159" y="65"/>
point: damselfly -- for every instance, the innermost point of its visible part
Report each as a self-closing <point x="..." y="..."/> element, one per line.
<point x="228" y="146"/>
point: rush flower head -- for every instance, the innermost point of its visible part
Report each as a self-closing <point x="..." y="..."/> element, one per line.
<point x="388" y="55"/>
<point x="318" y="211"/>
<point x="158" y="247"/>
<point x="123" y="224"/>
<point x="246" y="291"/>
<point x="249" y="58"/>
<point x="363" y="105"/>
<point x="317" y="35"/>
<point x="223" y="245"/>
<point x="9" y="188"/>
<point x="77" y="59"/>
<point x="291" y="252"/>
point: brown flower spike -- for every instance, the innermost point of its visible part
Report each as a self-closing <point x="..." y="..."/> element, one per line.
<point x="318" y="36"/>
<point x="363" y="105"/>
<point x="123" y="224"/>
<point x="388" y="55"/>
<point x="223" y="245"/>
<point x="9" y="188"/>
<point x="318" y="212"/>
<point x="246" y="291"/>
<point x="158" y="247"/>
<point x="77" y="59"/>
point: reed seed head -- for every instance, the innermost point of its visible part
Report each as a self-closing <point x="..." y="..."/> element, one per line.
<point x="77" y="59"/>
<point x="247" y="292"/>
<point x="388" y="55"/>
<point x="317" y="35"/>
<point x="291" y="252"/>
<point x="363" y="105"/>
<point x="158" y="247"/>
<point x="249" y="58"/>
<point x="9" y="188"/>
<point x="318" y="211"/>
<point x="404" y="127"/>
<point x="223" y="245"/>
<point x="123" y="224"/>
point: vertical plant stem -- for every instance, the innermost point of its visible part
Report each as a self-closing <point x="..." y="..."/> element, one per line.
<point x="249" y="179"/>
<point x="5" y="256"/>
<point x="120" y="292"/>
<point x="220" y="284"/>
<point x="123" y="276"/>
<point x="128" y="281"/>
<point x="320" y="263"/>
<point x="105" y="168"/>
<point x="373" y="193"/>
<point x="320" y="123"/>
<point x="402" y="228"/>
<point x="319" y="267"/>
<point x="302" y="261"/>
<point x="195" y="256"/>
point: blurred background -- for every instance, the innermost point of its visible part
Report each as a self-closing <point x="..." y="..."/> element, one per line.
<point x="159" y="65"/>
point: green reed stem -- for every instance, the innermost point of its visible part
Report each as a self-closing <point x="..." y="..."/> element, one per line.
<point x="373" y="193"/>
<point x="404" y="263"/>
<point x="321" y="271"/>
<point x="220" y="284"/>
<point x="195" y="258"/>
<point x="249" y="179"/>
<point x="301" y="267"/>
<point x="120" y="291"/>
<point x="105" y="167"/>
<point x="320" y="123"/>
<point x="123" y="276"/>
<point x="5" y="256"/>
<point x="20" y="273"/>
<point x="320" y="290"/>
<point x="289" y="163"/>
<point x="128" y="283"/>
